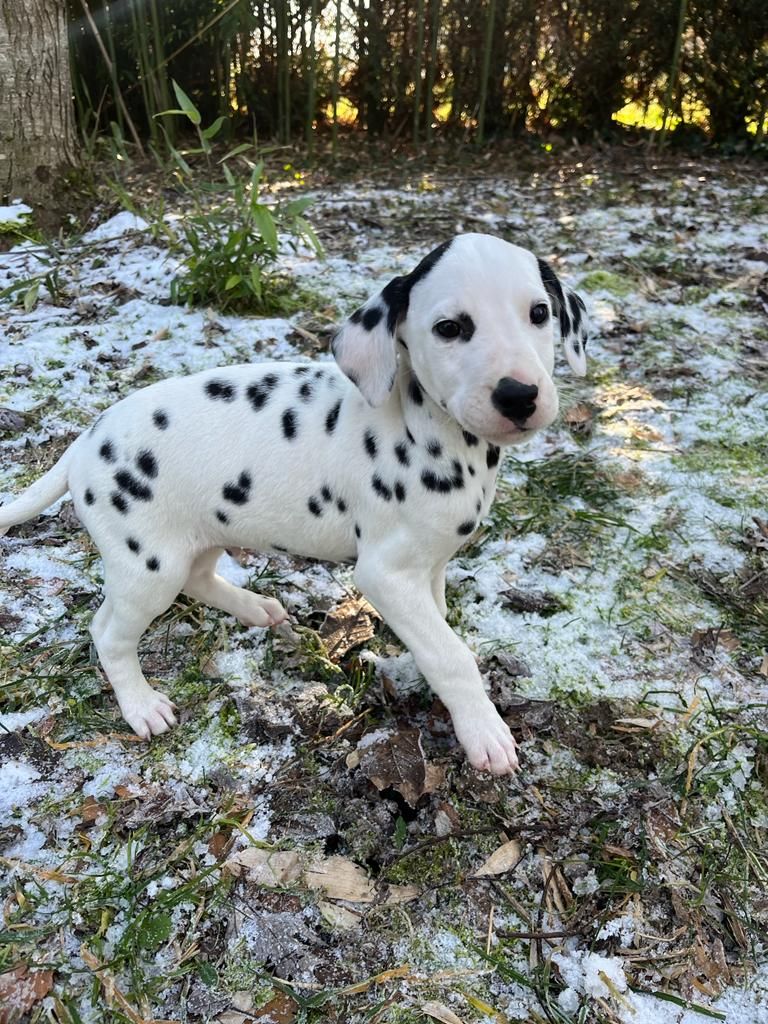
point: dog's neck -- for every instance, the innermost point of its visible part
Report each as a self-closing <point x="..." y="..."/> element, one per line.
<point x="425" y="418"/>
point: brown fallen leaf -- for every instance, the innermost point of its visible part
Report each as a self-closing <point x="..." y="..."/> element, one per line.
<point x="506" y="857"/>
<point x="397" y="762"/>
<point x="20" y="989"/>
<point x="279" y="1010"/>
<point x="349" y="624"/>
<point x="437" y="1011"/>
<point x="266" y="867"/>
<point x="580" y="419"/>
<point x="340" y="879"/>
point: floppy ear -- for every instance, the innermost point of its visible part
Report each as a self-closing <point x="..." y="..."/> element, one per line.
<point x="364" y="346"/>
<point x="570" y="310"/>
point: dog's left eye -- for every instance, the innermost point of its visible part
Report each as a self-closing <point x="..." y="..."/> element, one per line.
<point x="539" y="313"/>
<point x="447" y="329"/>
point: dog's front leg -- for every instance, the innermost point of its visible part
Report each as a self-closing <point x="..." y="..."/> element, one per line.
<point x="403" y="595"/>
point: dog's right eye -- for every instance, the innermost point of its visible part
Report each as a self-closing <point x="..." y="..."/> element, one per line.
<point x="447" y="329"/>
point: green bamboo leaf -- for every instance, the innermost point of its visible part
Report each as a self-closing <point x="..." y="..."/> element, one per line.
<point x="297" y="206"/>
<point x="213" y="129"/>
<point x="236" y="151"/>
<point x="265" y="224"/>
<point x="31" y="296"/>
<point x="187" y="106"/>
<point x="232" y="282"/>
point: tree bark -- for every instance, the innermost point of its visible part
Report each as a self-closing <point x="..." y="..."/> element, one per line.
<point x="37" y="137"/>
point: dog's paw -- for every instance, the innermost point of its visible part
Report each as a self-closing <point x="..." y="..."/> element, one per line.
<point x="149" y="712"/>
<point x="489" y="745"/>
<point x="261" y="611"/>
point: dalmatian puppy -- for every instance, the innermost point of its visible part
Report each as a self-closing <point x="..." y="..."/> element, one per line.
<point x="387" y="457"/>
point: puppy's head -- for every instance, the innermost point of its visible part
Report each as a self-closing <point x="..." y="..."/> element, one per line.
<point x="478" y="319"/>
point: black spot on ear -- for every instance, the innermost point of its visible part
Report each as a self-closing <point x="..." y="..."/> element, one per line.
<point x="372" y="316"/>
<point x="414" y="390"/>
<point x="153" y="564"/>
<point x="222" y="517"/>
<point x="551" y="282"/>
<point x="402" y="342"/>
<point x="369" y="440"/>
<point x="381" y="488"/>
<point x="221" y="390"/>
<point x="127" y="482"/>
<point x="89" y="498"/>
<point x="397" y="294"/>
<point x="402" y="454"/>
<point x="289" y="424"/>
<point x="469" y="438"/>
<point x="133" y="545"/>
<point x="399" y="491"/>
<point x="492" y="456"/>
<point x="147" y="464"/>
<point x="332" y="418"/>
<point x="160" y="419"/>
<point x="107" y="452"/>
<point x="573" y="303"/>
<point x="357" y="316"/>
<point x="314" y="507"/>
<point x="119" y="502"/>
<point x="466" y="528"/>
<point x="434" y="448"/>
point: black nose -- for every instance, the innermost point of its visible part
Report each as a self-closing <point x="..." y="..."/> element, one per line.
<point x="515" y="400"/>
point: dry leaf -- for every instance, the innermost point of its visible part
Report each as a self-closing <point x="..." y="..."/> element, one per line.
<point x="763" y="670"/>
<point x="340" y="879"/>
<point x="338" y="917"/>
<point x="580" y="419"/>
<point x="266" y="867"/>
<point x="349" y="624"/>
<point x="20" y="989"/>
<point x="503" y="859"/>
<point x="280" y="1010"/>
<point x="635" y="724"/>
<point x="397" y="762"/>
<point x="440" y="1012"/>
<point x="402" y="894"/>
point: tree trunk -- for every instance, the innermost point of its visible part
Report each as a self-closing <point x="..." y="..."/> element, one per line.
<point x="37" y="136"/>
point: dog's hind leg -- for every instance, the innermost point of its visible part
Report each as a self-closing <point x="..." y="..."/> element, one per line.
<point x="204" y="584"/>
<point x="134" y="596"/>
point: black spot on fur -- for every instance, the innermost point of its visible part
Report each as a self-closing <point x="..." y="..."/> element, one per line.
<point x="314" y="507"/>
<point x="381" y="488"/>
<point x="305" y="391"/>
<point x="471" y="469"/>
<point x="357" y="316"/>
<point x="259" y="392"/>
<point x="152" y="563"/>
<point x="478" y="506"/>
<point x="160" y="419"/>
<point x="469" y="438"/>
<point x="118" y="500"/>
<point x="107" y="452"/>
<point x="222" y="516"/>
<point x="332" y="418"/>
<point x="410" y="436"/>
<point x="240" y="492"/>
<point x="402" y="454"/>
<point x="369" y="440"/>
<point x="467" y="326"/>
<point x="277" y="547"/>
<point x="443" y="484"/>
<point x="399" y="491"/>
<point x="133" y="545"/>
<point x="319" y="374"/>
<point x="434" y="448"/>
<point x="127" y="482"/>
<point x="289" y="424"/>
<point x="147" y="464"/>
<point x="371" y="317"/>
<point x="221" y="390"/>
<point x="341" y="505"/>
<point x="357" y="531"/>
<point x="89" y="498"/>
<point x="298" y="370"/>
<point x="415" y="392"/>
<point x="466" y="528"/>
<point x="492" y="456"/>
<point x="325" y="494"/>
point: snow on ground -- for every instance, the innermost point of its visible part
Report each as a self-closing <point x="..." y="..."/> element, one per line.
<point x="634" y="523"/>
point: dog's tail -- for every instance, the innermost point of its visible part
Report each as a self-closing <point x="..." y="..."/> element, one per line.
<point x="39" y="495"/>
